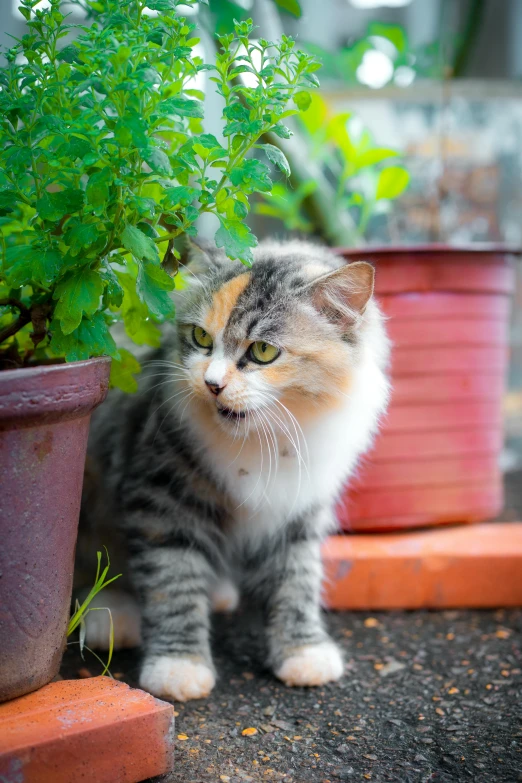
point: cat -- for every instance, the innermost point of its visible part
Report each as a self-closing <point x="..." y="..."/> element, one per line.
<point x="223" y="471"/>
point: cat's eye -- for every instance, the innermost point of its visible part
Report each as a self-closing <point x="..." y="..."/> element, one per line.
<point x="263" y="353"/>
<point x="201" y="337"/>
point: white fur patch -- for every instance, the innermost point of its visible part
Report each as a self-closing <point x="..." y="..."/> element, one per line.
<point x="312" y="664"/>
<point x="180" y="679"/>
<point x="125" y="617"/>
<point x="224" y="596"/>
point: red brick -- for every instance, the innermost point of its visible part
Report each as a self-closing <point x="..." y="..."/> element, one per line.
<point x="96" y="730"/>
<point x="472" y="566"/>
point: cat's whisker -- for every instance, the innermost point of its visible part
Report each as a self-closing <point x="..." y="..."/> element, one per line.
<point x="297" y="426"/>
<point x="173" y="396"/>
<point x="282" y="425"/>
<point x="273" y="438"/>
<point x="256" y="428"/>
<point x="190" y="396"/>
<point x="163" y="363"/>
<point x="267" y="485"/>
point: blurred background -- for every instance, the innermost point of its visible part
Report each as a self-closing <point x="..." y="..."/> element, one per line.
<point x="430" y="89"/>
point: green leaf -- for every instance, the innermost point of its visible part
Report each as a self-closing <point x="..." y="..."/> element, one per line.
<point x="252" y="175"/>
<point x="138" y="325"/>
<point x="158" y="161"/>
<point x="97" y="190"/>
<point x="146" y="207"/>
<point x="291" y="6"/>
<point x="81" y="235"/>
<point x="8" y="200"/>
<point x="141" y="246"/>
<point x="302" y="100"/>
<point x="69" y="54"/>
<point x="392" y="182"/>
<point x="77" y="148"/>
<point x="131" y="130"/>
<point x="155" y="37"/>
<point x="90" y="338"/>
<point x="240" y="209"/>
<point x="148" y="75"/>
<point x="181" y="106"/>
<point x="113" y="291"/>
<point x="180" y="196"/>
<point x="152" y="286"/>
<point x="162" y="5"/>
<point x="236" y="240"/>
<point x="123" y="371"/>
<point x="77" y="294"/>
<point x="54" y="206"/>
<point x="277" y="157"/>
<point x="373" y="156"/>
<point x="18" y="158"/>
<point x="282" y="131"/>
<point x="26" y="264"/>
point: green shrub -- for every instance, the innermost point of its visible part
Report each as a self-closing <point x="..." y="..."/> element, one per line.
<point x="103" y="163"/>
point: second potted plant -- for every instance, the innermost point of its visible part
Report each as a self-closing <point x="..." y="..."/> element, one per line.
<point x="436" y="459"/>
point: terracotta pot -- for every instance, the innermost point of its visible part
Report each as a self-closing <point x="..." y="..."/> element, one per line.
<point x="435" y="460"/>
<point x="44" y="423"/>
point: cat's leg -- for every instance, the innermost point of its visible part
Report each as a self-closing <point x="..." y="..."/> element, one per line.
<point x="300" y="650"/>
<point x="125" y="613"/>
<point x="172" y="579"/>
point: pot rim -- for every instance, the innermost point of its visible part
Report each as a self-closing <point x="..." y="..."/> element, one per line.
<point x="49" y="369"/>
<point x="48" y="393"/>
<point x="436" y="248"/>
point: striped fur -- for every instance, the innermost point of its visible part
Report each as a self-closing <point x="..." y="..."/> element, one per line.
<point x="242" y="486"/>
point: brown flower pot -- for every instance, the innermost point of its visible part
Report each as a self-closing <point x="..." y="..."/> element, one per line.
<point x="44" y="423"/>
<point x="436" y="457"/>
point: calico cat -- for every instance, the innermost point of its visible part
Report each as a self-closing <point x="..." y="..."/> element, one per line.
<point x="223" y="471"/>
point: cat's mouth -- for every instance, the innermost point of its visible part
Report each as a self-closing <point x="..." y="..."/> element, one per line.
<point x="228" y="413"/>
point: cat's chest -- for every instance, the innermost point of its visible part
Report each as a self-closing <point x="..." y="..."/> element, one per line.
<point x="279" y="476"/>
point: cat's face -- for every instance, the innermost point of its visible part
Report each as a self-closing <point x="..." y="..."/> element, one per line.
<point x="283" y="333"/>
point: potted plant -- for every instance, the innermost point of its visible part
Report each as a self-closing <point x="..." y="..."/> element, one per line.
<point x="103" y="163"/>
<point x="436" y="459"/>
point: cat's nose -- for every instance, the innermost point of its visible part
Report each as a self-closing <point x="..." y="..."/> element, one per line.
<point x="214" y="387"/>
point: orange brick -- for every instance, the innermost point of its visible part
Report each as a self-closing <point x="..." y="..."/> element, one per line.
<point x="98" y="730"/>
<point x="471" y="566"/>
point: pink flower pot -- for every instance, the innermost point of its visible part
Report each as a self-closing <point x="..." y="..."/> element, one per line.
<point x="435" y="460"/>
<point x="44" y="423"/>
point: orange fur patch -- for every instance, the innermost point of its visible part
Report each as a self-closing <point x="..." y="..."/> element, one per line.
<point x="224" y="302"/>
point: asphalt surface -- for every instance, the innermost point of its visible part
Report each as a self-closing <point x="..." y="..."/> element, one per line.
<point x="427" y="696"/>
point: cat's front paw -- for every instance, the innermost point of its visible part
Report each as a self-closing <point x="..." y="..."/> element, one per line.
<point x="312" y="664"/>
<point x="180" y="679"/>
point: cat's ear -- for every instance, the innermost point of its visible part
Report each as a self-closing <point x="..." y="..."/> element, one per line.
<point x="342" y="295"/>
<point x="202" y="256"/>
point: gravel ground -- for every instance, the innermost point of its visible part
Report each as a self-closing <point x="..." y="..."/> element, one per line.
<point x="427" y="696"/>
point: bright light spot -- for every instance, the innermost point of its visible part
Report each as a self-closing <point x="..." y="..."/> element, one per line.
<point x="40" y="7"/>
<point x="198" y="82"/>
<point x="183" y="10"/>
<point x="378" y="3"/>
<point x="376" y="69"/>
<point x="44" y="5"/>
<point x="404" y="76"/>
<point x="384" y="45"/>
<point x="355" y="127"/>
